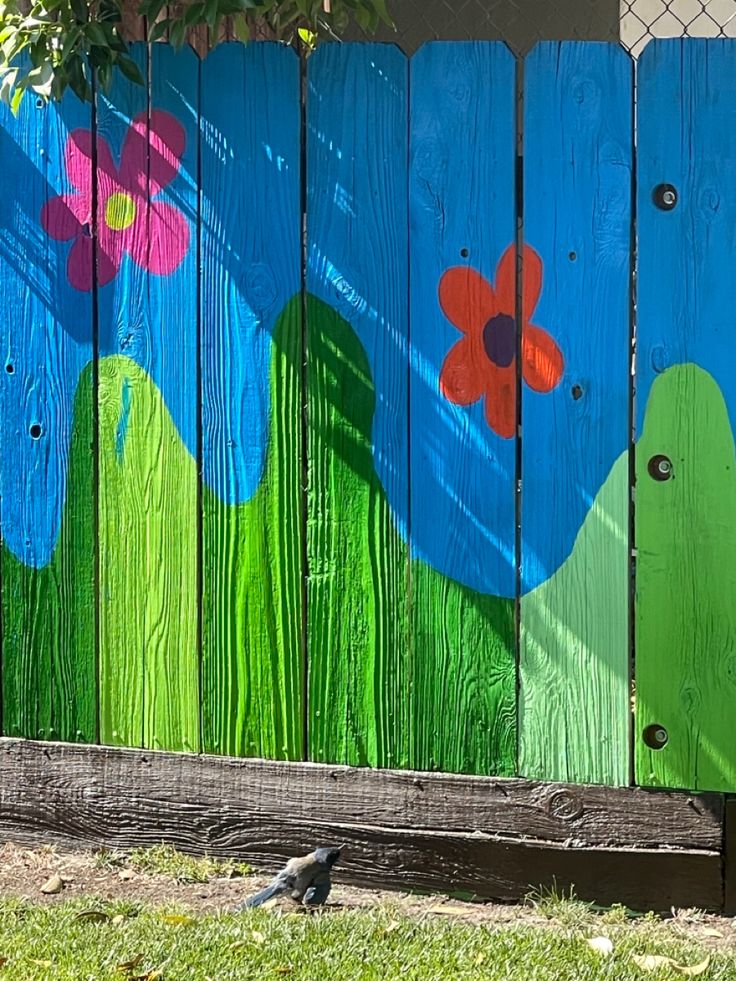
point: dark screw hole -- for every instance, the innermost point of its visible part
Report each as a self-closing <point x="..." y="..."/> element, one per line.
<point x="39" y="103"/>
<point x="655" y="736"/>
<point x="577" y="392"/>
<point x="35" y="431"/>
<point x="665" y="196"/>
<point x="572" y="256"/>
<point x="465" y="253"/>
<point x="10" y="368"/>
<point x="660" y="467"/>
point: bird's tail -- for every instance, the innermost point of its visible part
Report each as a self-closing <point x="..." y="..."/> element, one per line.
<point x="275" y="889"/>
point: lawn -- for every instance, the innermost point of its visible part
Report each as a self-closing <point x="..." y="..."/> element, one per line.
<point x="110" y="932"/>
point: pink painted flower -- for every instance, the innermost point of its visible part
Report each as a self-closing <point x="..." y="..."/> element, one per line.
<point x="153" y="233"/>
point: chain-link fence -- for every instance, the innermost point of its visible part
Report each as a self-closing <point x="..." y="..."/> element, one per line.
<point x="641" y="20"/>
<point x="521" y="23"/>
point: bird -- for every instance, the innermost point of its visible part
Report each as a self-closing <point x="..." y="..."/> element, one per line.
<point x="306" y="879"/>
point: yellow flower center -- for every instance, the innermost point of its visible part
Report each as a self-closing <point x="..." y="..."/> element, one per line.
<point x="120" y="211"/>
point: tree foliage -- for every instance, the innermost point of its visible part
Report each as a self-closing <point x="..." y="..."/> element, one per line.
<point x="48" y="46"/>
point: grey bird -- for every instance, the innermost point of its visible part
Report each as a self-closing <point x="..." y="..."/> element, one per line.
<point x="307" y="880"/>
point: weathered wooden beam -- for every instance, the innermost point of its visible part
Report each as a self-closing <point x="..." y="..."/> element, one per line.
<point x="729" y="857"/>
<point x="493" y="838"/>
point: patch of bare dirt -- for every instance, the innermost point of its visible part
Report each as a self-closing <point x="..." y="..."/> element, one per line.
<point x="24" y="872"/>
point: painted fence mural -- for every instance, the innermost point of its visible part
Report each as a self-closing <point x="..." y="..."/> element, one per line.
<point x="265" y="496"/>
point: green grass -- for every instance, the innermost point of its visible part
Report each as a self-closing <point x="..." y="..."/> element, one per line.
<point x="377" y="943"/>
<point x="167" y="861"/>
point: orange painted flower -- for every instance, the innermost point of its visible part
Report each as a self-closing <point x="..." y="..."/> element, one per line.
<point x="483" y="362"/>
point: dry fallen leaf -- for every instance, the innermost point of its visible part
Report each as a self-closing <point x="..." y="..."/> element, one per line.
<point x="712" y="932"/>
<point x="147" y="976"/>
<point x="695" y="970"/>
<point x="260" y="938"/>
<point x="126" y="874"/>
<point x="53" y="885"/>
<point x="479" y="960"/>
<point x="127" y="966"/>
<point x="238" y="945"/>
<point x="3" y="961"/>
<point x="40" y="963"/>
<point x="269" y="904"/>
<point x="653" y="962"/>
<point x="177" y="919"/>
<point x="602" y="945"/>
<point x="118" y="919"/>
<point x="449" y="910"/>
<point x="93" y="916"/>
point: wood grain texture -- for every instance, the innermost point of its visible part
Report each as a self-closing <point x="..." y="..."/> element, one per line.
<point x="149" y="664"/>
<point x="574" y="655"/>
<point x="462" y="473"/>
<point x="357" y="404"/>
<point x="172" y="658"/>
<point x="46" y="468"/>
<point x="121" y="512"/>
<point x="729" y="857"/>
<point x="395" y="825"/>
<point x="686" y="399"/>
<point x="252" y="669"/>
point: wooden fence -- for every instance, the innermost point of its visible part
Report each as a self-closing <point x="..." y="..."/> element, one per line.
<point x="342" y="497"/>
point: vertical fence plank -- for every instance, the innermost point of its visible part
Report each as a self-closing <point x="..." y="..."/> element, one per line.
<point x="357" y="404"/>
<point x="251" y="402"/>
<point x="148" y="406"/>
<point x="170" y="416"/>
<point x="123" y="331"/>
<point x="574" y="698"/>
<point x="46" y="472"/>
<point x="686" y="400"/>
<point x="463" y="456"/>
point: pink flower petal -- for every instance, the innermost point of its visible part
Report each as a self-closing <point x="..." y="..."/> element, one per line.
<point x="78" y="160"/>
<point x="79" y="264"/>
<point x="160" y="240"/>
<point x="107" y="266"/>
<point x="144" y="172"/>
<point x="134" y="157"/>
<point x="63" y="217"/>
<point x="108" y="179"/>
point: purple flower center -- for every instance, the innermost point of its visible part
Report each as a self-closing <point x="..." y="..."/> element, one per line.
<point x="499" y="339"/>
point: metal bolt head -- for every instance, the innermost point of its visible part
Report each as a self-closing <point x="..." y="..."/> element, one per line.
<point x="665" y="196"/>
<point x="655" y="736"/>
<point x="660" y="467"/>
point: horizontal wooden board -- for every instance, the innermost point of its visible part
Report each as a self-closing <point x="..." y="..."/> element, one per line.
<point x="239" y="792"/>
<point x="402" y="830"/>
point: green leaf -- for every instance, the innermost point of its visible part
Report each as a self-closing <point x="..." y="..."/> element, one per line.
<point x="212" y="9"/>
<point x="96" y="34"/>
<point x="158" y="30"/>
<point x="177" y="33"/>
<point x="151" y="9"/>
<point x="80" y="11"/>
<point x="195" y="14"/>
<point x="104" y="77"/>
<point x="16" y="99"/>
<point x="131" y="70"/>
<point x="77" y="81"/>
<point x="382" y="11"/>
<point x="242" y="28"/>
